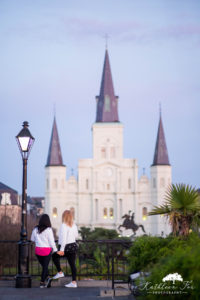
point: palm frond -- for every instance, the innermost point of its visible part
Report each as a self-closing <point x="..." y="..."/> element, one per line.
<point x="183" y="197"/>
<point x="182" y="207"/>
<point x="160" y="210"/>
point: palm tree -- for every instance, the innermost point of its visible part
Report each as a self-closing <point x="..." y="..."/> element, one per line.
<point x="182" y="207"/>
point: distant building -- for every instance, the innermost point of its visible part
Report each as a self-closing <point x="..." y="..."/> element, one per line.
<point x="10" y="205"/>
<point x="36" y="205"/>
<point x="10" y="214"/>
<point x="10" y="211"/>
<point x="8" y="196"/>
<point x="108" y="185"/>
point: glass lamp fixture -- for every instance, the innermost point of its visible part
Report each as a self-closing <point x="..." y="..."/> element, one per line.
<point x="25" y="140"/>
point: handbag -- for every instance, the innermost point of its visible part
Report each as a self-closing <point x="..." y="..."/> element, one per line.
<point x="71" y="248"/>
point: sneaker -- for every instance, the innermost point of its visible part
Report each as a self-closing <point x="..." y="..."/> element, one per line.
<point x="42" y="285"/>
<point x="59" y="275"/>
<point x="71" y="285"/>
<point x="48" y="282"/>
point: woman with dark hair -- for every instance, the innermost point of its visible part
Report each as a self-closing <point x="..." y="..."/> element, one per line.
<point x="43" y="237"/>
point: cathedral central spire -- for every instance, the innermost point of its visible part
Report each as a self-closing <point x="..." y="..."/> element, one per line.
<point x="107" y="102"/>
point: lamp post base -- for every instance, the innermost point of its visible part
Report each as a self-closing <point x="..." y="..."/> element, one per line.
<point x="23" y="281"/>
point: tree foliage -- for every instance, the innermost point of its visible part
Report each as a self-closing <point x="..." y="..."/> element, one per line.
<point x="98" y="234"/>
<point x="183" y="258"/>
<point x="181" y="207"/>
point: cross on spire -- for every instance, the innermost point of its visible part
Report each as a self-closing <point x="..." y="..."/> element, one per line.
<point x="54" y="109"/>
<point x="106" y="40"/>
<point x="160" y="108"/>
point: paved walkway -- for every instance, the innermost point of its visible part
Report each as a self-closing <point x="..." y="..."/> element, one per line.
<point x="55" y="293"/>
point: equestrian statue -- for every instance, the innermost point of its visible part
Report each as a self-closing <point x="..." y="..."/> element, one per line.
<point x="129" y="223"/>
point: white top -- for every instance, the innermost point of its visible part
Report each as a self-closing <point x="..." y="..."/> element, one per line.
<point x="67" y="235"/>
<point x="44" y="239"/>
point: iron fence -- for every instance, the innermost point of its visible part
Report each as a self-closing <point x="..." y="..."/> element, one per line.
<point x="101" y="259"/>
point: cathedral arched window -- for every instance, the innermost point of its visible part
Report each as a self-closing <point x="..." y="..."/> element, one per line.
<point x="154" y="183"/>
<point x="111" y="213"/>
<point x="112" y="152"/>
<point x="72" y="209"/>
<point x="55" y="185"/>
<point x="63" y="183"/>
<point x="47" y="184"/>
<point x="87" y="184"/>
<point x="129" y="183"/>
<point x="103" y="152"/>
<point x="108" y="186"/>
<point x="105" y="213"/>
<point x="96" y="209"/>
<point x="162" y="182"/>
<point x="120" y="208"/>
<point x="55" y="213"/>
<point x="144" y="213"/>
<point x="107" y="103"/>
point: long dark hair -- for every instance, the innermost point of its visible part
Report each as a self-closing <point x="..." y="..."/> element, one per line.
<point x="44" y="223"/>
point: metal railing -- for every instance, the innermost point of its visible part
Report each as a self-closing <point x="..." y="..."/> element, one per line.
<point x="100" y="259"/>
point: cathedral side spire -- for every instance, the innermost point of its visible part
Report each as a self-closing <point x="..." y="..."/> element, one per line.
<point x="107" y="110"/>
<point x="54" y="155"/>
<point x="161" y="153"/>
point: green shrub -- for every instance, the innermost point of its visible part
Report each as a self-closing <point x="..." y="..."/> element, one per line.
<point x="184" y="260"/>
<point x="163" y="256"/>
<point x="145" y="252"/>
<point x="98" y="233"/>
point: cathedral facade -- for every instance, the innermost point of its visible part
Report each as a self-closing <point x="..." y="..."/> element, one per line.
<point x="108" y="185"/>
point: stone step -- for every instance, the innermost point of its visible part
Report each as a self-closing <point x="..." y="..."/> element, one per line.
<point x="104" y="285"/>
<point x="82" y="283"/>
<point x="118" y="291"/>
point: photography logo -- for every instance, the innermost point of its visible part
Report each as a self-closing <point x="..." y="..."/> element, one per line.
<point x="173" y="277"/>
<point x="171" y="284"/>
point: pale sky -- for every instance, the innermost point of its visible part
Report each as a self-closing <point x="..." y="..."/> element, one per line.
<point x="53" y="52"/>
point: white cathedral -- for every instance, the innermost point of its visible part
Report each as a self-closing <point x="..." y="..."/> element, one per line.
<point x="108" y="185"/>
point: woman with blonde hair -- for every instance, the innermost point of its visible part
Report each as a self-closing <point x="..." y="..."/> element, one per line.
<point x="67" y="247"/>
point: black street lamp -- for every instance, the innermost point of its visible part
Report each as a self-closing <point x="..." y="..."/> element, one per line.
<point x="25" y="141"/>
